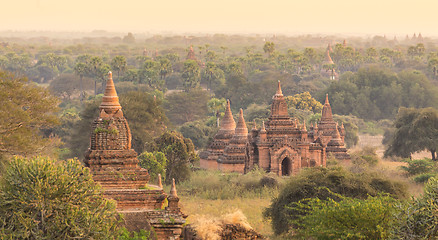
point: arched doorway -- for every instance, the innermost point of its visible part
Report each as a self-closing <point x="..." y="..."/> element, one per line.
<point x="285" y="167"/>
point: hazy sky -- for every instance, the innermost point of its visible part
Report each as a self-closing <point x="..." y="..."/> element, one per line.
<point x="250" y="16"/>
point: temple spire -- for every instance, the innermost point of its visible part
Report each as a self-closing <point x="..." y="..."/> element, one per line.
<point x="328" y="59"/>
<point x="263" y="127"/>
<point x="110" y="101"/>
<point x="326" y="114"/>
<point x="241" y="128"/>
<point x="173" y="192"/>
<point x="228" y="122"/>
<point x="159" y="181"/>
<point x="279" y="92"/>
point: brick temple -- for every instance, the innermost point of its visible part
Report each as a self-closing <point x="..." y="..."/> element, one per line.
<point x="114" y="164"/>
<point x="282" y="145"/>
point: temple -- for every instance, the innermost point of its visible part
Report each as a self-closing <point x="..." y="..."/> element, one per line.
<point x="328" y="69"/>
<point x="114" y="165"/>
<point x="282" y="145"/>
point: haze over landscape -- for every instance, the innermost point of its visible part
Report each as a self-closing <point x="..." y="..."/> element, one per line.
<point x="390" y="17"/>
<point x="190" y="119"/>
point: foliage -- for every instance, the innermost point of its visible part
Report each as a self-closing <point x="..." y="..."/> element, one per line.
<point x="418" y="166"/>
<point x="79" y="141"/>
<point x="366" y="157"/>
<point x="187" y="106"/>
<point x="44" y="199"/>
<point x="304" y="101"/>
<point x="199" y="132"/>
<point x="145" y="116"/>
<point x="415" y="130"/>
<point x="180" y="154"/>
<point x="257" y="112"/>
<point x="347" y="218"/>
<point x="67" y="85"/>
<point x="124" y="234"/>
<point x="308" y="183"/>
<point x="418" y="219"/>
<point x="154" y="162"/>
<point x="424" y="177"/>
<point x="375" y="93"/>
<point x="190" y="74"/>
<point x="25" y="111"/>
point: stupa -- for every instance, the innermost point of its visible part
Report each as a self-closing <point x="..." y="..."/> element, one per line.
<point x="114" y="164"/>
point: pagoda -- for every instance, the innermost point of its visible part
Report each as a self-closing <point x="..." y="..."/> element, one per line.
<point x="221" y="139"/>
<point x="235" y="154"/>
<point x="114" y="165"/>
<point x="281" y="146"/>
<point x="328" y="69"/>
<point x="331" y="134"/>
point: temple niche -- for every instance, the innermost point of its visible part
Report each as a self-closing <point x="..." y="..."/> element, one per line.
<point x="114" y="165"/>
<point x="281" y="145"/>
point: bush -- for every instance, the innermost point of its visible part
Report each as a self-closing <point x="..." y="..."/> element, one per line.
<point x="308" y="182"/>
<point x="44" y="199"/>
<point x="418" y="219"/>
<point x="124" y="234"/>
<point x="155" y="163"/>
<point x="419" y="166"/>
<point x="348" y="218"/>
<point x="423" y="177"/>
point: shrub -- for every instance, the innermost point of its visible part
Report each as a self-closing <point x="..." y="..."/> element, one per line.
<point x="44" y="199"/>
<point x="423" y="177"/>
<point x="124" y="234"/>
<point x="418" y="166"/>
<point x="348" y="218"/>
<point x="419" y="219"/>
<point x="155" y="163"/>
<point x="308" y="182"/>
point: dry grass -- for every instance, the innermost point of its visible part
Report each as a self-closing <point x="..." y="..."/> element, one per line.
<point x="209" y="227"/>
<point x="251" y="209"/>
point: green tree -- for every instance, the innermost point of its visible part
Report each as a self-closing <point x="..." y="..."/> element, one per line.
<point x="45" y="199"/>
<point x="81" y="69"/>
<point x="180" y="153"/>
<point x="190" y="74"/>
<point x="415" y="130"/>
<point x="154" y="162"/>
<point x="119" y="64"/>
<point x="150" y="74"/>
<point x="98" y="70"/>
<point x="165" y="68"/>
<point x="307" y="184"/>
<point x="54" y="62"/>
<point x="215" y="106"/>
<point x="200" y="132"/>
<point x="24" y="112"/>
<point x="349" y="218"/>
<point x="213" y="74"/>
<point x="187" y="106"/>
<point x="304" y="101"/>
<point x="269" y="48"/>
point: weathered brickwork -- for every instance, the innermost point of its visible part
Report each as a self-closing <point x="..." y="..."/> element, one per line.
<point x="115" y="166"/>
